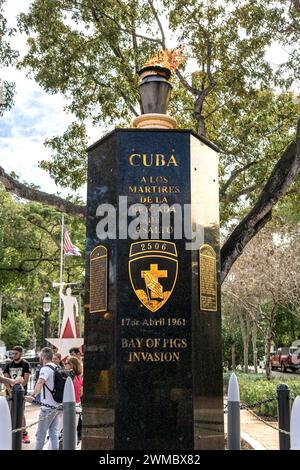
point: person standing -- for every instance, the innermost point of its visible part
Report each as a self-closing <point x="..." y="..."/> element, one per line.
<point x="75" y="352"/>
<point x="57" y="360"/>
<point x="49" y="420"/>
<point x="15" y="369"/>
<point x="74" y="366"/>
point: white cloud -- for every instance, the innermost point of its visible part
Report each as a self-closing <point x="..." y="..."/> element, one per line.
<point x="35" y="117"/>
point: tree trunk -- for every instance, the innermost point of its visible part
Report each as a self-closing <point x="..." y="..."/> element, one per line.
<point x="245" y="336"/>
<point x="233" y="356"/>
<point x="293" y="327"/>
<point x="268" y="342"/>
<point x="254" y="345"/>
<point x="282" y="176"/>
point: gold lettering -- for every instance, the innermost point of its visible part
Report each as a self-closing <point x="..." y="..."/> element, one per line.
<point x="147" y="161"/>
<point x="142" y="356"/>
<point x="158" y="159"/>
<point x="132" y="157"/>
<point x="172" y="161"/>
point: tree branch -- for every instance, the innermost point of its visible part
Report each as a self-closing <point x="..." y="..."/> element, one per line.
<point x="130" y="106"/>
<point x="147" y="38"/>
<point x="31" y="194"/>
<point x="246" y="307"/>
<point x="119" y="27"/>
<point x="232" y="177"/>
<point x="277" y="186"/>
<point x="296" y="4"/>
<point x="234" y="197"/>
<point x="22" y="270"/>
<point x="135" y="48"/>
<point x="205" y="92"/>
<point x="186" y="84"/>
<point x="163" y="38"/>
<point x="220" y="106"/>
<point x="45" y="229"/>
<point x="119" y="90"/>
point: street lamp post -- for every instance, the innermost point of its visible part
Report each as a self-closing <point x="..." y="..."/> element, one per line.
<point x="46" y="311"/>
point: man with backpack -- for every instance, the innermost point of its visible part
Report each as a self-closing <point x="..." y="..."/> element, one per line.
<point x="50" y="386"/>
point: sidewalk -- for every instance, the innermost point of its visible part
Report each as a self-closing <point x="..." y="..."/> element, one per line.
<point x="32" y="415"/>
<point x="258" y="434"/>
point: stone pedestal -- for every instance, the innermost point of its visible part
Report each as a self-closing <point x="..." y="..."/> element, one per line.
<point x="153" y="366"/>
<point x="154" y="121"/>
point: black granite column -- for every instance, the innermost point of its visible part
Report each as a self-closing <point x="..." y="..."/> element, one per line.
<point x="152" y="368"/>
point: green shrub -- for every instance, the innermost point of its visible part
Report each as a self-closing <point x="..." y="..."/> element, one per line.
<point x="255" y="388"/>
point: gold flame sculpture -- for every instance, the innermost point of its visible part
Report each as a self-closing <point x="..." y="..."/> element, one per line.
<point x="170" y="59"/>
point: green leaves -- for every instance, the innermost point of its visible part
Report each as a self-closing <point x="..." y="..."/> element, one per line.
<point x="8" y="57"/>
<point x="91" y="51"/>
<point x="255" y="388"/>
<point x="68" y="165"/>
<point x="16" y="329"/>
<point x="30" y="235"/>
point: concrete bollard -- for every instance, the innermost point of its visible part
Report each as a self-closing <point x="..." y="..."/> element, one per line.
<point x="295" y="425"/>
<point x="233" y="419"/>
<point x="284" y="415"/>
<point x="69" y="416"/>
<point x="5" y="426"/>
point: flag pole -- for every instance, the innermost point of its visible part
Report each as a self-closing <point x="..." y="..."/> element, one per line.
<point x="61" y="271"/>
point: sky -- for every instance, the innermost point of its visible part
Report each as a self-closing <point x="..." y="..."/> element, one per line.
<point x="37" y="116"/>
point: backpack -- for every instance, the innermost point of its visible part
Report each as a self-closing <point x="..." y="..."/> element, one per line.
<point x="60" y="377"/>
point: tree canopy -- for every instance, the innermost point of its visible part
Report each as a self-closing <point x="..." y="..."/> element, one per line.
<point x="229" y="91"/>
<point x="30" y="259"/>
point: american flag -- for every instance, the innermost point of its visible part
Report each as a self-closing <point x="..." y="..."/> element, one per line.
<point x="69" y="248"/>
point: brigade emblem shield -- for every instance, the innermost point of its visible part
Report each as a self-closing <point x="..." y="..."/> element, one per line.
<point x="153" y="269"/>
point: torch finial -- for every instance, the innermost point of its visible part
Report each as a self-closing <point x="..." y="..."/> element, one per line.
<point x="155" y="89"/>
<point x="168" y="58"/>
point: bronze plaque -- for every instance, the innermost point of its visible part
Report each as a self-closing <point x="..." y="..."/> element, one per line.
<point x="98" y="279"/>
<point x="208" y="278"/>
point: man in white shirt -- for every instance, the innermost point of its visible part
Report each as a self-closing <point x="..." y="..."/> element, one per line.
<point x="44" y="386"/>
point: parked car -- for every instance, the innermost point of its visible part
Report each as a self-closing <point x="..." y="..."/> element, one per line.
<point x="286" y="358"/>
<point x="30" y="353"/>
<point x="9" y="355"/>
<point x="262" y="362"/>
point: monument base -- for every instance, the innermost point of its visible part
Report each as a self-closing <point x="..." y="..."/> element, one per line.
<point x="153" y="362"/>
<point x="154" y="121"/>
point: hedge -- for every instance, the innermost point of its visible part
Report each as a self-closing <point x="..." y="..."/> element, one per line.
<point x="256" y="387"/>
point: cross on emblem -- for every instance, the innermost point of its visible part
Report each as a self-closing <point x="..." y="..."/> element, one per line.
<point x="156" y="274"/>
